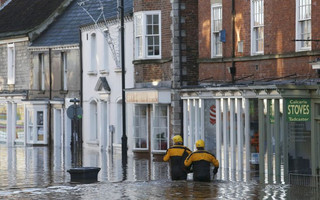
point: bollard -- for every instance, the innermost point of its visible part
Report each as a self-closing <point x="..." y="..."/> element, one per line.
<point x="84" y="174"/>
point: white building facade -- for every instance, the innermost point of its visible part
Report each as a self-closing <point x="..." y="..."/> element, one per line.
<point x="102" y="83"/>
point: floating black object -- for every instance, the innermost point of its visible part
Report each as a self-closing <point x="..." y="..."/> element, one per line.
<point x="84" y="174"/>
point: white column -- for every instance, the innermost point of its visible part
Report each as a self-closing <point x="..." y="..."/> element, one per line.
<point x="261" y="139"/>
<point x="14" y="121"/>
<point x="232" y="134"/>
<point x="240" y="136"/>
<point x="277" y="139"/>
<point x="10" y="140"/>
<point x="225" y="137"/>
<point x="269" y="142"/>
<point x="196" y="120"/>
<point x="218" y="130"/>
<point x="192" y="129"/>
<point x="247" y="133"/>
<point x="201" y="104"/>
<point x="185" y="123"/>
<point x="285" y="144"/>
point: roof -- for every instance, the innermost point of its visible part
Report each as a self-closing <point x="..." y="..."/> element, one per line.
<point x="65" y="30"/>
<point x="22" y="16"/>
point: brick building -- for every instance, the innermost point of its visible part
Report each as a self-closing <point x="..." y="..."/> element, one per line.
<point x="257" y="102"/>
<point x="165" y="55"/>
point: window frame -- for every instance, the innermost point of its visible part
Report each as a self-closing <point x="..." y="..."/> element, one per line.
<point x="142" y="51"/>
<point x="299" y="21"/>
<point x="256" y="28"/>
<point x="64" y="72"/>
<point x="93" y="53"/>
<point x="146" y="127"/>
<point x="41" y="72"/>
<point x="33" y="124"/>
<point x="156" y="115"/>
<point x="215" y="41"/>
<point x="11" y="64"/>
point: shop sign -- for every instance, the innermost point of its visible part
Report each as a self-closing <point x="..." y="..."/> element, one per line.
<point x="298" y="110"/>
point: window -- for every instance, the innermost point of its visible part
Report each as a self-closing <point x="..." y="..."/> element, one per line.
<point x="41" y="72"/>
<point x="19" y="129"/>
<point x="64" y="72"/>
<point x="3" y="122"/>
<point x="105" y="52"/>
<point x="140" y="135"/>
<point x="94" y="58"/>
<point x="303" y="25"/>
<point x="257" y="27"/>
<point x="148" y="35"/>
<point x="216" y="27"/>
<point x="11" y="64"/>
<point x="36" y="125"/>
<point x="93" y="121"/>
<point x="160" y="127"/>
<point x="30" y="125"/>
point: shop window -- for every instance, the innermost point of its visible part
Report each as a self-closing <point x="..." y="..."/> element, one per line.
<point x="140" y="127"/>
<point x="36" y="126"/>
<point x="19" y="130"/>
<point x="3" y="122"/>
<point x="160" y="127"/>
<point x="30" y="125"/>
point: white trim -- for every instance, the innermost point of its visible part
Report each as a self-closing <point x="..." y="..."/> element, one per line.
<point x="15" y="40"/>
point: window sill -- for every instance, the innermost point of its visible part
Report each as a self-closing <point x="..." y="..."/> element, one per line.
<point x="151" y="61"/>
<point x="140" y="150"/>
<point x="303" y="49"/>
<point x="117" y="70"/>
<point x="92" y="73"/>
<point x="159" y="151"/>
<point x="104" y="72"/>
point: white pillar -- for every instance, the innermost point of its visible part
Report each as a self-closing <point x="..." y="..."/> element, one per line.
<point x="201" y="105"/>
<point x="218" y="130"/>
<point x="225" y="137"/>
<point x="269" y="142"/>
<point x="192" y="129"/>
<point x="247" y="133"/>
<point x="196" y="120"/>
<point x="232" y="135"/>
<point x="285" y="144"/>
<point x="185" y="123"/>
<point x="261" y="139"/>
<point x="240" y="136"/>
<point x="10" y="118"/>
<point x="277" y="139"/>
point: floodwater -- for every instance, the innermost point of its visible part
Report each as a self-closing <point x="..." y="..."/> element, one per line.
<point x="38" y="173"/>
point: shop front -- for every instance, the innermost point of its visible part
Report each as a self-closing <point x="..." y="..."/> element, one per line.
<point x="265" y="132"/>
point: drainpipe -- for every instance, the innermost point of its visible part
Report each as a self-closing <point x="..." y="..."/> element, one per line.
<point x="81" y="96"/>
<point x="233" y="67"/>
<point x="50" y="96"/>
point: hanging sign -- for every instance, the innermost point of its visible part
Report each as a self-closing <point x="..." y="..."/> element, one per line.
<point x="298" y="110"/>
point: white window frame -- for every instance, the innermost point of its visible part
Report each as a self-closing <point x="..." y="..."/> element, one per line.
<point x="300" y="19"/>
<point x="141" y="42"/>
<point x="32" y="126"/>
<point x="155" y="116"/>
<point x="64" y="63"/>
<point x="147" y="125"/>
<point x="215" y="31"/>
<point x="11" y="64"/>
<point x="41" y="72"/>
<point x="256" y="28"/>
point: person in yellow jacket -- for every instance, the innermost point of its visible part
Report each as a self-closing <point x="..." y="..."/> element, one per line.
<point x="200" y="161"/>
<point x="177" y="154"/>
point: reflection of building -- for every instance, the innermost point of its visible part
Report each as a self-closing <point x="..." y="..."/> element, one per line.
<point x="260" y="81"/>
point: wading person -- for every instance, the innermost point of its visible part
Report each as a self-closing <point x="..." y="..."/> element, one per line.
<point x="177" y="154"/>
<point x="200" y="160"/>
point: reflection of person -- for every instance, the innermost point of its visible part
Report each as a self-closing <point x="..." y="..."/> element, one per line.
<point x="177" y="154"/>
<point x="200" y="161"/>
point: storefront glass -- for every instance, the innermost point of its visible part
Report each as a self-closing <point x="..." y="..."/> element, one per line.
<point x="140" y="127"/>
<point x="160" y="127"/>
<point x="3" y="122"/>
<point x="19" y="131"/>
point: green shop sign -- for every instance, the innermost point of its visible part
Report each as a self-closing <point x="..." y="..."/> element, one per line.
<point x="298" y="110"/>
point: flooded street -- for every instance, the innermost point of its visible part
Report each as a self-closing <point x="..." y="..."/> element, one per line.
<point x="37" y="173"/>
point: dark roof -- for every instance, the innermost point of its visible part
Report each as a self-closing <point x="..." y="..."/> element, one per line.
<point x="65" y="30"/>
<point x="24" y="15"/>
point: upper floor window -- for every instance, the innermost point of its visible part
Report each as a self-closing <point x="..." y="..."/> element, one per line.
<point x="303" y="25"/>
<point x="64" y="71"/>
<point x="216" y="27"/>
<point x="105" y="51"/>
<point x="94" y="56"/>
<point x="148" y="35"/>
<point x="257" y="27"/>
<point x="41" y="72"/>
<point x="11" y="64"/>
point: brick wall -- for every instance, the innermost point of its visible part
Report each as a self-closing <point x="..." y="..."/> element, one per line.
<point x="279" y="60"/>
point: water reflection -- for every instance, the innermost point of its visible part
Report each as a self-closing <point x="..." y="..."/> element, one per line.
<point x="38" y="173"/>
